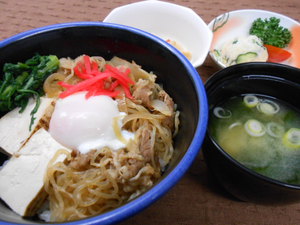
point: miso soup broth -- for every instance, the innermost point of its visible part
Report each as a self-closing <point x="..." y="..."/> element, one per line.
<point x="261" y="133"/>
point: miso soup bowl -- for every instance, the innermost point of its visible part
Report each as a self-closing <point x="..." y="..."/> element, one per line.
<point x="177" y="75"/>
<point x="279" y="81"/>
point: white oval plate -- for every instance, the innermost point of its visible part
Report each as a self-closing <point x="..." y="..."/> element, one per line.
<point x="167" y="21"/>
<point x="238" y="23"/>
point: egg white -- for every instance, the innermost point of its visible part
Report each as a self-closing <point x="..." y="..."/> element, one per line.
<point x="87" y="124"/>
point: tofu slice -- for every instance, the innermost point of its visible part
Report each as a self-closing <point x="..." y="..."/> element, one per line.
<point x="22" y="177"/>
<point x="14" y="126"/>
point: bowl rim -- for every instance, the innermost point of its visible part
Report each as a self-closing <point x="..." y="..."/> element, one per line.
<point x="160" y="188"/>
<point x="219" y="74"/>
<point x="254" y="10"/>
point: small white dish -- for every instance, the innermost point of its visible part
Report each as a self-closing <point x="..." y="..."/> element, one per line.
<point x="167" y="21"/>
<point x="237" y="23"/>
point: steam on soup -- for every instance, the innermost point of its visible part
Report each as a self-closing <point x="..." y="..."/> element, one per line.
<point x="261" y="133"/>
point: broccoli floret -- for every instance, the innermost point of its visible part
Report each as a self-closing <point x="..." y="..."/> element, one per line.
<point x="270" y="32"/>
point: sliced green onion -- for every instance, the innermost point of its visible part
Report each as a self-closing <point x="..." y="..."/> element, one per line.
<point x="255" y="128"/>
<point x="234" y="125"/>
<point x="222" y="113"/>
<point x="250" y="101"/>
<point x="268" y="107"/>
<point x="291" y="138"/>
<point x="274" y="129"/>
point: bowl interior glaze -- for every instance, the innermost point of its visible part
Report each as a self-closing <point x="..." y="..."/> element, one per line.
<point x="174" y="72"/>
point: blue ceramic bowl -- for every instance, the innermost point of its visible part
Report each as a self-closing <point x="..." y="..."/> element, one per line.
<point x="174" y="71"/>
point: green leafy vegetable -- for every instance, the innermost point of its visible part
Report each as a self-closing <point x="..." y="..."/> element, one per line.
<point x="270" y="32"/>
<point x="24" y="80"/>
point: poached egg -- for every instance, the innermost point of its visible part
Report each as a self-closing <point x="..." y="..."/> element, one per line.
<point x="88" y="124"/>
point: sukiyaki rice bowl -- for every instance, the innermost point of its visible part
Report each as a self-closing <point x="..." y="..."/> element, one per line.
<point x="97" y="122"/>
